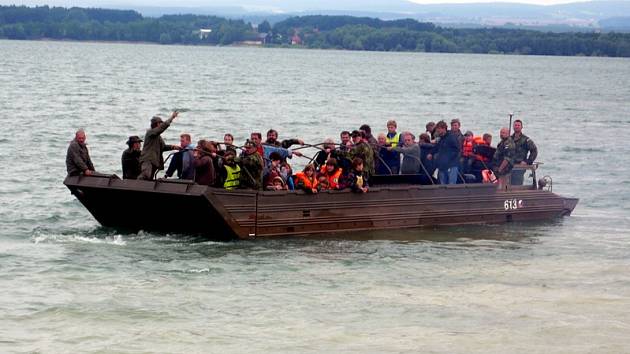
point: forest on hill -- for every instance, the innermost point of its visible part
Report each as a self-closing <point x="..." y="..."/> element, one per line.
<point x="317" y="31"/>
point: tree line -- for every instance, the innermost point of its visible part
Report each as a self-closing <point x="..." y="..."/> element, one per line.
<point x="325" y="32"/>
<point x="352" y="33"/>
<point x="21" y="22"/>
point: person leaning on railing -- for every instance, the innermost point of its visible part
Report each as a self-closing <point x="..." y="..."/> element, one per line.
<point x="411" y="155"/>
<point x="357" y="180"/>
<point x="78" y="161"/>
<point x="525" y="152"/>
<point x="331" y="172"/>
<point x="503" y="159"/>
<point x="230" y="171"/>
<point x="388" y="162"/>
<point x="306" y="180"/>
<point x="203" y="165"/>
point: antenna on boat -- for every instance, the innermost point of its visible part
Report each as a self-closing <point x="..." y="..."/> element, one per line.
<point x="510" y="126"/>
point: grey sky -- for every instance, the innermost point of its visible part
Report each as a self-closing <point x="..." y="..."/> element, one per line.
<point x="249" y="4"/>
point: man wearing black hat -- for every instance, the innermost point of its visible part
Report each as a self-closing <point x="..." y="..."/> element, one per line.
<point x="151" y="158"/>
<point x="131" y="158"/>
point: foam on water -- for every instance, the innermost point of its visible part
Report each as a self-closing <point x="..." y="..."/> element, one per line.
<point x="39" y="237"/>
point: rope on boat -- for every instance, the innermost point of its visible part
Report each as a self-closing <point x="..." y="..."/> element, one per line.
<point x="311" y="159"/>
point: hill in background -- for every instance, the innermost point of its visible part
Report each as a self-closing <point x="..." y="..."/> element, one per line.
<point x="584" y="16"/>
<point x="317" y="31"/>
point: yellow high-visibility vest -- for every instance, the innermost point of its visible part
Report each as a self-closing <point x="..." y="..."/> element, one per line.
<point x="232" y="180"/>
<point x="394" y="140"/>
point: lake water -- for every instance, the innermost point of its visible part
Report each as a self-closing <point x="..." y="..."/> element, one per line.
<point x="70" y="286"/>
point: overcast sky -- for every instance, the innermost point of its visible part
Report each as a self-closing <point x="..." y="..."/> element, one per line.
<point x="202" y="3"/>
<point x="535" y="2"/>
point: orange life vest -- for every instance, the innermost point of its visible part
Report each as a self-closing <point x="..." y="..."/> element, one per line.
<point x="333" y="180"/>
<point x="310" y="184"/>
<point x="478" y="140"/>
<point x="467" y="148"/>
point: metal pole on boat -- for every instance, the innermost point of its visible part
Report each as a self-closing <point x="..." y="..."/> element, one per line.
<point x="305" y="146"/>
<point x="384" y="163"/>
<point x="426" y="172"/>
<point x="510" y="126"/>
<point x="165" y="161"/>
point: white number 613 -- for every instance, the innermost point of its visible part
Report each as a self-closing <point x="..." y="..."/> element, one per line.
<point x="512" y="204"/>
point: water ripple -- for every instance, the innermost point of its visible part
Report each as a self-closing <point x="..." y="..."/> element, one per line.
<point x="70" y="285"/>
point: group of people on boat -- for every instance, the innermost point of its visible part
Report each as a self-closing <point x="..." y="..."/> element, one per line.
<point x="449" y="154"/>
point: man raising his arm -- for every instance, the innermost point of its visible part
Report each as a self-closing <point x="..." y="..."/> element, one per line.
<point x="151" y="158"/>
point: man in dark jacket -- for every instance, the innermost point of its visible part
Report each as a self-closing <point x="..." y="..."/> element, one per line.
<point x="78" y="160"/>
<point x="328" y="151"/>
<point x="151" y="158"/>
<point x="446" y="154"/>
<point x="131" y="158"/>
<point x="369" y="138"/>
<point x="456" y="126"/>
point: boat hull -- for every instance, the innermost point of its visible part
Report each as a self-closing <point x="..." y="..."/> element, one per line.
<point x="173" y="206"/>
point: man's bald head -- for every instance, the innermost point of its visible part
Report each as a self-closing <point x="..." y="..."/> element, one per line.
<point x="505" y="133"/>
<point x="79" y="136"/>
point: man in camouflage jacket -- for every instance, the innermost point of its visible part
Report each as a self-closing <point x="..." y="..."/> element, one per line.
<point x="251" y="167"/>
<point x="503" y="159"/>
<point x="525" y="152"/>
<point x="363" y="150"/>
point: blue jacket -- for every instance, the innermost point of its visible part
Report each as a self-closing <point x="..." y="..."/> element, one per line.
<point x="183" y="163"/>
<point x="447" y="151"/>
<point x="284" y="153"/>
<point x="391" y="158"/>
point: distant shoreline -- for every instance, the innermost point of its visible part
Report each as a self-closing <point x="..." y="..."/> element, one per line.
<point x="303" y="32"/>
<point x="272" y="46"/>
<point x="98" y="41"/>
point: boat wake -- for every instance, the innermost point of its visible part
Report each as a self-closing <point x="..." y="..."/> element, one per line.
<point x="45" y="236"/>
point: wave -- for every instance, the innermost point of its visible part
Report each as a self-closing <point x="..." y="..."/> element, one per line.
<point x="169" y="110"/>
<point x="579" y="149"/>
<point x="107" y="236"/>
<point x="220" y="110"/>
<point x="202" y="270"/>
<point x="39" y="236"/>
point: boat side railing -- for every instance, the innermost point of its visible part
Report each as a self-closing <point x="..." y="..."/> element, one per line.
<point x="533" y="167"/>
